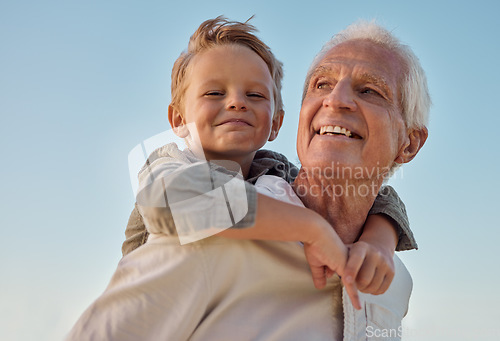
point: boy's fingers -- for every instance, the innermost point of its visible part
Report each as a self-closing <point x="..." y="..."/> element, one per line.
<point x="367" y="279"/>
<point x="383" y="286"/>
<point x="318" y="275"/>
<point x="353" y="294"/>
<point x="354" y="262"/>
<point x="375" y="276"/>
<point x="385" y="283"/>
<point x="329" y="272"/>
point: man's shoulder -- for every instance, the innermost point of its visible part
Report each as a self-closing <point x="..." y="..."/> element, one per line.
<point x="268" y="162"/>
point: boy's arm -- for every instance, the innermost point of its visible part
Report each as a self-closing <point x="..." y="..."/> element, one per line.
<point x="280" y="221"/>
<point x="386" y="229"/>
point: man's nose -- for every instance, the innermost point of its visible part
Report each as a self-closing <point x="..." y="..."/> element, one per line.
<point x="236" y="102"/>
<point x="341" y="97"/>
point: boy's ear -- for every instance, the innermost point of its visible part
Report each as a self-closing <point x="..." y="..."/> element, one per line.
<point x="177" y="122"/>
<point x="277" y="122"/>
<point x="414" y="141"/>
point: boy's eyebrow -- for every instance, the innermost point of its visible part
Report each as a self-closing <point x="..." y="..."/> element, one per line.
<point x="209" y="81"/>
<point x="215" y="82"/>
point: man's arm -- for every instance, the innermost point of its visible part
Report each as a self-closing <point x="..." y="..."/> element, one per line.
<point x="390" y="204"/>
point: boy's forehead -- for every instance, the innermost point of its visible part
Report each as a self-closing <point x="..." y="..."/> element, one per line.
<point x="228" y="61"/>
<point x="228" y="52"/>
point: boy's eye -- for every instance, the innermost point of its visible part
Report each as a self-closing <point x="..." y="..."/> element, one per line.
<point x="256" y="95"/>
<point x="214" y="93"/>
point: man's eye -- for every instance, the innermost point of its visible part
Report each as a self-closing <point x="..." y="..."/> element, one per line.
<point x="323" y="85"/>
<point x="370" y="91"/>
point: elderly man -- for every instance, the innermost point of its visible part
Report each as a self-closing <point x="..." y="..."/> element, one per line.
<point x="364" y="112"/>
<point x="367" y="83"/>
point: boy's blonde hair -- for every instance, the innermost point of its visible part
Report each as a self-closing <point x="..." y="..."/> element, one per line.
<point x="218" y="32"/>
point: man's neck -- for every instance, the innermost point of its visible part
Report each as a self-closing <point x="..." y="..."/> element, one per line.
<point x="344" y="203"/>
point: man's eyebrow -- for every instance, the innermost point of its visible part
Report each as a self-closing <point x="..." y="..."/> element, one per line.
<point x="322" y="69"/>
<point x="376" y="80"/>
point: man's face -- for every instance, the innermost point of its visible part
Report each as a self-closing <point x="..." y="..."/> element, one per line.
<point x="350" y="115"/>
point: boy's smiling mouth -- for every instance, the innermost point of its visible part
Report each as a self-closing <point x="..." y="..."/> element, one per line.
<point x="234" y="121"/>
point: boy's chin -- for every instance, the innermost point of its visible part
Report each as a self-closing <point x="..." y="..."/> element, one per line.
<point x="236" y="153"/>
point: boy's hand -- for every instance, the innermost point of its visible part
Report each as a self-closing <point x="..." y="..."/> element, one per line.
<point x="328" y="255"/>
<point x="371" y="266"/>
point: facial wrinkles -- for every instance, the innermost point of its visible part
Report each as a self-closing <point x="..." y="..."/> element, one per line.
<point x="377" y="81"/>
<point x="322" y="71"/>
<point x="359" y="74"/>
<point x="364" y="66"/>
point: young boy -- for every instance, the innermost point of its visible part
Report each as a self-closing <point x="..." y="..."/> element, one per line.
<point x="226" y="103"/>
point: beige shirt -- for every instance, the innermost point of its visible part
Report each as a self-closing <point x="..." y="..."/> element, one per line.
<point x="214" y="289"/>
<point x="222" y="289"/>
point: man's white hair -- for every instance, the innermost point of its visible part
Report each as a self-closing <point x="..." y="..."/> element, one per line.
<point x="415" y="98"/>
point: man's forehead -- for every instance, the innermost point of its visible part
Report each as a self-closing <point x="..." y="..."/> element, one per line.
<point x="334" y="67"/>
<point x="366" y="58"/>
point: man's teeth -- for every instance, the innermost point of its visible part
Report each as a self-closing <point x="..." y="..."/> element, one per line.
<point x="334" y="130"/>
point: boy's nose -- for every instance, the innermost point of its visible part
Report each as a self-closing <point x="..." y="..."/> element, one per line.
<point x="236" y="103"/>
<point x="238" y="107"/>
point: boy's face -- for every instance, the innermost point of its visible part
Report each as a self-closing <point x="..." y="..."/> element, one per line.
<point x="230" y="99"/>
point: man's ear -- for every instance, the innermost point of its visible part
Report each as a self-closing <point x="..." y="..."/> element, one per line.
<point x="277" y="122"/>
<point x="415" y="140"/>
<point x="177" y="122"/>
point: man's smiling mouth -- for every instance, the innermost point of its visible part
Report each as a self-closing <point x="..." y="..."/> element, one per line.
<point x="337" y="130"/>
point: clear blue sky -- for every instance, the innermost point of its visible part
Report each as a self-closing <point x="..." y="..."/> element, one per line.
<point x="81" y="83"/>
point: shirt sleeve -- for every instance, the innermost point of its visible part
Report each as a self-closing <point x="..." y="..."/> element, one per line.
<point x="135" y="233"/>
<point x="194" y="201"/>
<point x="389" y="204"/>
<point x="267" y="162"/>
